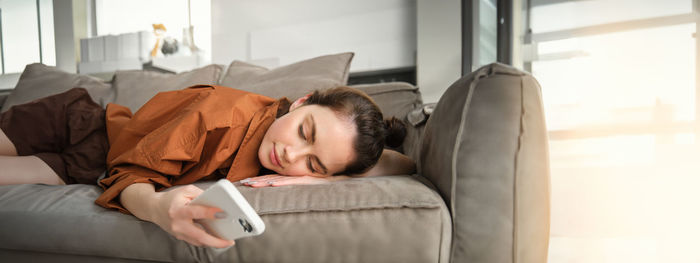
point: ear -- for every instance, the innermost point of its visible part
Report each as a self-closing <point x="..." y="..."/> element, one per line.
<point x="300" y="101"/>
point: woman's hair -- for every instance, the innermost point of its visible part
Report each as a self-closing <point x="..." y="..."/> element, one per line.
<point x="373" y="131"/>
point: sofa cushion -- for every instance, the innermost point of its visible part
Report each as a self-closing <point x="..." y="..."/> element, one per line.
<point x="379" y="219"/>
<point x="135" y="87"/>
<point x="485" y="148"/>
<point x="292" y="81"/>
<point x="393" y="98"/>
<point x="397" y="99"/>
<point x="39" y="80"/>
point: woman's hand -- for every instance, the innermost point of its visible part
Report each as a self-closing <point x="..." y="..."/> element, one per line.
<point x="176" y="216"/>
<point x="280" y="180"/>
<point x="171" y="211"/>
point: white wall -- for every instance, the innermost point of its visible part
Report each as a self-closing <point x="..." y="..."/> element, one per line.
<point x="384" y="34"/>
<point x="63" y="32"/>
<point x="381" y="33"/>
<point x="439" y="43"/>
<point x="141" y="15"/>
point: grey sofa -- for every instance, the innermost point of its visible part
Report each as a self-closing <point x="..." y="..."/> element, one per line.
<point x="481" y="193"/>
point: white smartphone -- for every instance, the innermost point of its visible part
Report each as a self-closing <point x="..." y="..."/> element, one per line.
<point x="241" y="219"/>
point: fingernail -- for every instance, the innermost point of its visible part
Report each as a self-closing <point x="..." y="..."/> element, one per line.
<point x="220" y="215"/>
<point x="245" y="181"/>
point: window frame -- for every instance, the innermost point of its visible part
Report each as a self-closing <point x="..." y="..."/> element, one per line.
<point x="595" y="131"/>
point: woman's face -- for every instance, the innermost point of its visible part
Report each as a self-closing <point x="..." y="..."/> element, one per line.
<point x="310" y="140"/>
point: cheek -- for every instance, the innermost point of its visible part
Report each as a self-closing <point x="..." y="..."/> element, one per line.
<point x="278" y="130"/>
<point x="262" y="155"/>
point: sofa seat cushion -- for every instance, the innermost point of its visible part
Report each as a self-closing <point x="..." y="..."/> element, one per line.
<point x="378" y="219"/>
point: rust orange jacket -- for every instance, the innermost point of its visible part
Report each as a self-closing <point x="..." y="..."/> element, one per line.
<point x="183" y="136"/>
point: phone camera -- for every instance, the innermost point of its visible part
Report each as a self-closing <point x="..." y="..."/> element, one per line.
<point x="246" y="226"/>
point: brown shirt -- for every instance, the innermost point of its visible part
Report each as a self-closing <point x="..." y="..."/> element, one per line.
<point x="180" y="137"/>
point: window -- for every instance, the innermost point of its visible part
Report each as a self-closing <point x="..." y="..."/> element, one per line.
<point x="27" y="34"/>
<point x="619" y="84"/>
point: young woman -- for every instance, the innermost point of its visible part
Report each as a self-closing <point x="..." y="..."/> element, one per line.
<point x="200" y="133"/>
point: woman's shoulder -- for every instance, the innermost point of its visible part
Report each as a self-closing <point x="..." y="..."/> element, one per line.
<point x="237" y="95"/>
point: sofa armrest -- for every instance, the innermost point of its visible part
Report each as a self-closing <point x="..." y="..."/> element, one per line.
<point x="485" y="149"/>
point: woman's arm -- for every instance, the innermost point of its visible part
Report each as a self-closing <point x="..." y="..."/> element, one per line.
<point x="390" y="163"/>
<point x="170" y="211"/>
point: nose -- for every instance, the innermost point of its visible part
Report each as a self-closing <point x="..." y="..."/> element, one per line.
<point x="294" y="153"/>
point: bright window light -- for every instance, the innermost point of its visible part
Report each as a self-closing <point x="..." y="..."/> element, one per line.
<point x="621" y="110"/>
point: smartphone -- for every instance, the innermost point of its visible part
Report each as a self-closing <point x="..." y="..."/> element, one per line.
<point x="241" y="219"/>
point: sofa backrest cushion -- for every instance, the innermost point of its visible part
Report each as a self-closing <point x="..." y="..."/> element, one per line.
<point x="485" y="149"/>
<point x="397" y="99"/>
<point x="393" y="98"/>
<point x="135" y="87"/>
<point x="292" y="81"/>
<point x="39" y="80"/>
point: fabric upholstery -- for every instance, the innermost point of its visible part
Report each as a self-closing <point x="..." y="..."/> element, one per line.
<point x="482" y="194"/>
<point x="379" y="219"/>
<point x="397" y="99"/>
<point x="485" y="149"/>
<point x="134" y="87"/>
<point x="292" y="81"/>
<point x="39" y="80"/>
<point x="393" y="98"/>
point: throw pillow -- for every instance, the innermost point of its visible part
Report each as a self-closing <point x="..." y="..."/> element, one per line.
<point x="291" y="81"/>
<point x="135" y="87"/>
<point x="39" y="80"/>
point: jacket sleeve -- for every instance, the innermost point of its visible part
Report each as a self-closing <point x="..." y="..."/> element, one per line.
<point x="161" y="142"/>
<point x="123" y="177"/>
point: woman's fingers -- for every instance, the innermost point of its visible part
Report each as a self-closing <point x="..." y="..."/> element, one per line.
<point x="261" y="181"/>
<point x="300" y="180"/>
<point x="199" y="212"/>
<point x="198" y="237"/>
<point x="176" y="216"/>
<point x="279" y="180"/>
<point x="195" y="235"/>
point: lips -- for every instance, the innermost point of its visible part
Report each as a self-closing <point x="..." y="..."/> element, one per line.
<point x="273" y="157"/>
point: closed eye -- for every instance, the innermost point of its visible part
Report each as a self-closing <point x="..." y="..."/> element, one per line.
<point x="309" y="165"/>
<point x="301" y="132"/>
<point x="303" y="137"/>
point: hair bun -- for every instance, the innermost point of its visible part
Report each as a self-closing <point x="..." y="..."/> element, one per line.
<point x="395" y="132"/>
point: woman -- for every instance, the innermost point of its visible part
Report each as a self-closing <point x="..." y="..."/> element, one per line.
<point x="203" y="132"/>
